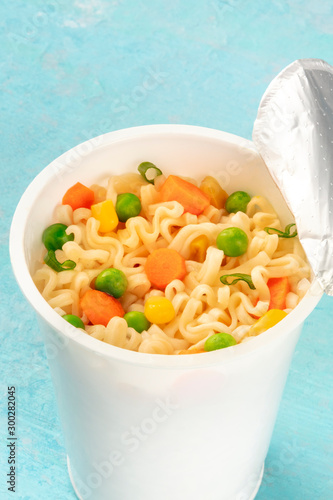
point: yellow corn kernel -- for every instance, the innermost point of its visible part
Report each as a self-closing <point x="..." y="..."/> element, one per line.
<point x="269" y="319"/>
<point x="159" y="310"/>
<point x="212" y="188"/>
<point x="198" y="248"/>
<point x="106" y="214"/>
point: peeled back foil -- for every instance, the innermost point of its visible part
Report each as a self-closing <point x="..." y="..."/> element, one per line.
<point x="293" y="133"/>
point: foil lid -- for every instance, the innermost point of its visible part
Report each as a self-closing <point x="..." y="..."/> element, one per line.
<point x="293" y="133"/>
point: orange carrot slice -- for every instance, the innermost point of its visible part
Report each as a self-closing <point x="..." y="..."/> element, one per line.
<point x="279" y="289"/>
<point x="187" y="194"/>
<point x="99" y="307"/>
<point x="79" y="196"/>
<point x="164" y="265"/>
<point x="192" y="351"/>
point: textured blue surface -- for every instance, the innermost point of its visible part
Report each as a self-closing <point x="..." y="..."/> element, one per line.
<point x="73" y="70"/>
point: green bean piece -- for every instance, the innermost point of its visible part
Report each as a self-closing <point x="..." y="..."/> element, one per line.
<point x="239" y="277"/>
<point x="55" y="236"/>
<point x="145" y="166"/>
<point x="282" y="234"/>
<point x="51" y="260"/>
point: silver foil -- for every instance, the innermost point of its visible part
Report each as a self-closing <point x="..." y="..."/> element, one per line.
<point x="293" y="133"/>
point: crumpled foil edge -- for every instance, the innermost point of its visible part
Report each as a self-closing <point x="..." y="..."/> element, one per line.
<point x="302" y="80"/>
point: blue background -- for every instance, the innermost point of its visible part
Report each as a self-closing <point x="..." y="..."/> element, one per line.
<point x="73" y="70"/>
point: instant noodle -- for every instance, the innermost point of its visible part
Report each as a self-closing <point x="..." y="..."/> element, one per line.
<point x="198" y="265"/>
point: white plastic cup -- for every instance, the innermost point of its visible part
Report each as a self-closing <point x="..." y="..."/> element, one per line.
<point x="140" y="426"/>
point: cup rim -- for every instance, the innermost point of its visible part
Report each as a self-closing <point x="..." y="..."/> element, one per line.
<point x="21" y="271"/>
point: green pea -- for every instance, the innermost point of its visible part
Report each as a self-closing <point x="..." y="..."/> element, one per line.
<point x="111" y="281"/>
<point x="237" y="202"/>
<point x="219" y="341"/>
<point x="233" y="241"/>
<point x="137" y="320"/>
<point x="74" y="320"/>
<point x="128" y="205"/>
<point x="55" y="236"/>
